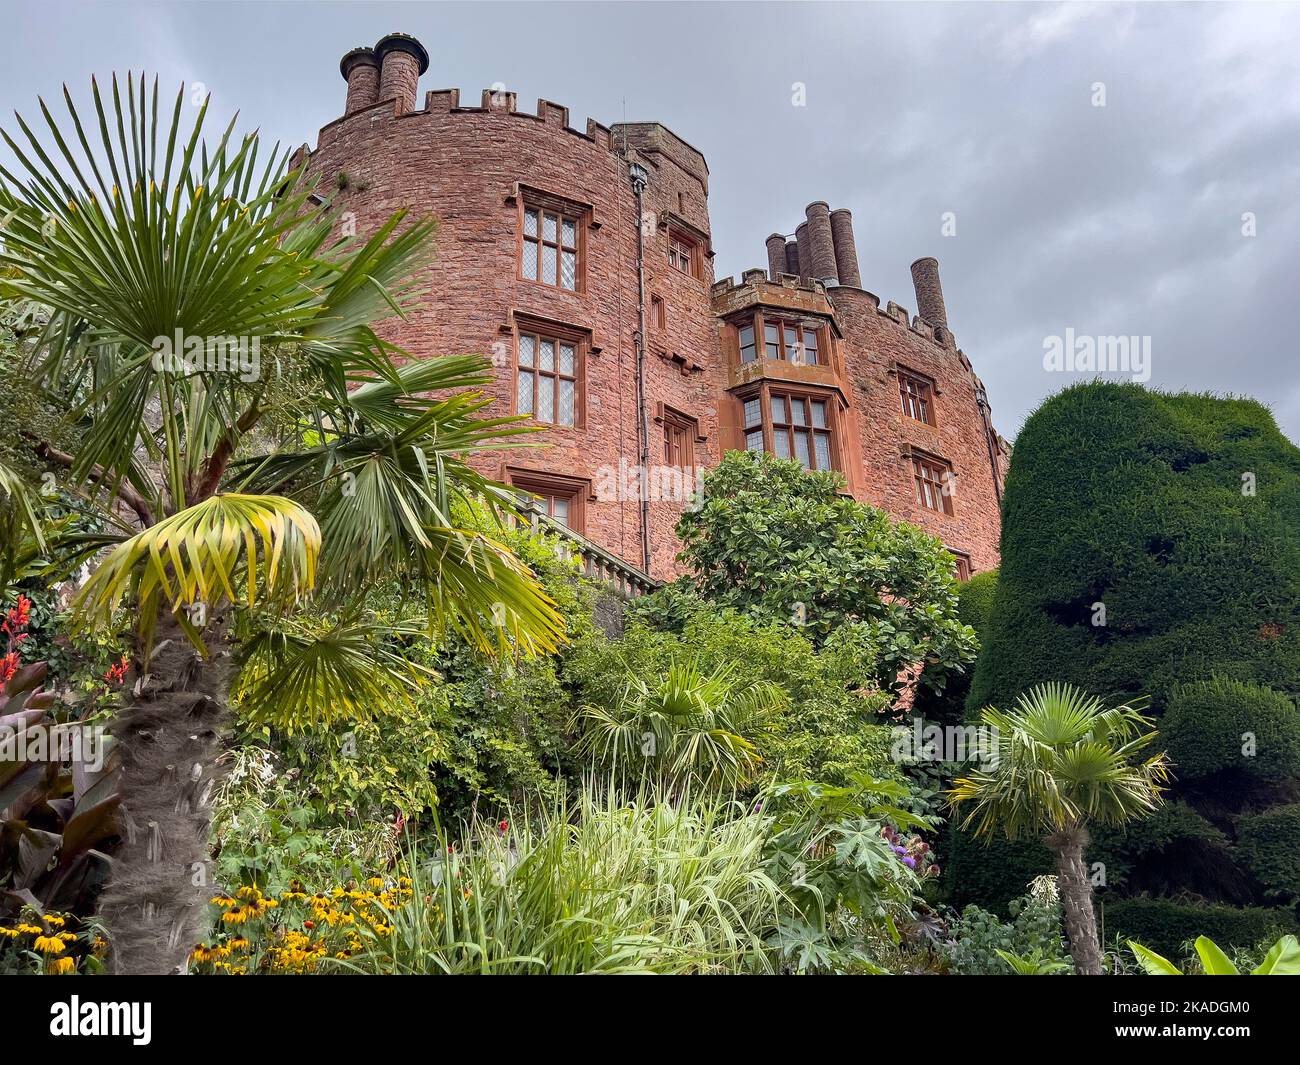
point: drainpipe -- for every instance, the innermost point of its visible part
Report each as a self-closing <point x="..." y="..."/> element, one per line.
<point x="982" y="399"/>
<point x="639" y="177"/>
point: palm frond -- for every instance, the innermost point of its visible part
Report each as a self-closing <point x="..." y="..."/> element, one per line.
<point x="199" y="555"/>
<point x="302" y="673"/>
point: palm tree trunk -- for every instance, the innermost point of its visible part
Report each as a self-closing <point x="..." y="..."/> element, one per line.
<point x="1076" y="899"/>
<point x="167" y="739"/>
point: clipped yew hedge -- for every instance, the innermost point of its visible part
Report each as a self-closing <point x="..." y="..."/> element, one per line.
<point x="1167" y="926"/>
<point x="1135" y="499"/>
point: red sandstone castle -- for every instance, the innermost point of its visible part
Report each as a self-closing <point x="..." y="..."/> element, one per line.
<point x="582" y="261"/>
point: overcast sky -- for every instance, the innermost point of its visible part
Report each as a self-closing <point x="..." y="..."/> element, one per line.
<point x="1122" y="219"/>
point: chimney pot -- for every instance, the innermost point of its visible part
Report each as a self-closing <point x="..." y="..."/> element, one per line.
<point x="776" y="265"/>
<point x="804" y="245"/>
<point x="360" y="69"/>
<point x="929" y="293"/>
<point x="822" y="244"/>
<point x="402" y="59"/>
<point x="846" y="252"/>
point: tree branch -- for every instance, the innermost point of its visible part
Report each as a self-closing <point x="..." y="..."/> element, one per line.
<point x="124" y="491"/>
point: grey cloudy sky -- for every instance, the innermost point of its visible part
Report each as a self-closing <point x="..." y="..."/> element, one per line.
<point x="1117" y="220"/>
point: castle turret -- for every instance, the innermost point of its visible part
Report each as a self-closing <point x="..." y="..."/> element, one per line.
<point x="402" y="59"/>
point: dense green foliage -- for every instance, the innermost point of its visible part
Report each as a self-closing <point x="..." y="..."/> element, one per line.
<point x="829" y="727"/>
<point x="1165" y="925"/>
<point x="1139" y="500"/>
<point x="787" y="546"/>
<point x="1270" y="845"/>
<point x="1231" y="727"/>
<point x="1034" y="931"/>
<point x="1151" y="552"/>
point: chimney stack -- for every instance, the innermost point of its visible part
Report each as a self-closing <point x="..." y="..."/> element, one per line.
<point x="792" y="257"/>
<point x="776" y="264"/>
<point x="402" y="59"/>
<point x="846" y="252"/>
<point x="803" y="245"/>
<point x="929" y="293"/>
<point x="822" y="243"/>
<point x="360" y="69"/>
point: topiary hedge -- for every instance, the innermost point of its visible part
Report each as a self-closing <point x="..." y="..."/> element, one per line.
<point x="1219" y="725"/>
<point x="1270" y="847"/>
<point x="1165" y="925"/>
<point x="975" y="599"/>
<point x="989" y="874"/>
<point x="1179" y="515"/>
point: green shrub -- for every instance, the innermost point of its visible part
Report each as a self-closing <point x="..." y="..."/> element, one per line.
<point x="1165" y="925"/>
<point x="830" y="728"/>
<point x="1174" y="849"/>
<point x="1270" y="846"/>
<point x="1033" y="931"/>
<point x="788" y="547"/>
<point x="990" y="874"/>
<point x="975" y="599"/>
<point x="1141" y="501"/>
<point x="1216" y="725"/>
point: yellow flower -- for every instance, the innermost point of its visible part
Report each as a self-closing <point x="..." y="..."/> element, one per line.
<point x="54" y="919"/>
<point x="31" y="929"/>
<point x="61" y="966"/>
<point x="49" y="945"/>
<point x="12" y="933"/>
<point x="67" y="937"/>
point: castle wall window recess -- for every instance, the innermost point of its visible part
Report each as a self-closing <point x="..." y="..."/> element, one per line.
<point x="546" y="381"/>
<point x="961" y="565"/>
<point x="934" y="479"/>
<point x="917" y="395"/>
<point x="549" y="250"/>
<point x="556" y="497"/>
<point x="789" y="341"/>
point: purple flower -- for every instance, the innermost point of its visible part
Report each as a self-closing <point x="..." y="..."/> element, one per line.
<point x="910" y="862"/>
<point x="900" y="850"/>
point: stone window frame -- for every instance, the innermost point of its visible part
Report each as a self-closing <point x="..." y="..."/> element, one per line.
<point x="527" y="199"/>
<point x="683" y="247"/>
<point x="764" y="391"/>
<point x="681" y="431"/>
<point x="545" y="329"/>
<point x="758" y="322"/>
<point x="937" y="487"/>
<point x="929" y="397"/>
<point x="962" y="568"/>
<point x="549" y="487"/>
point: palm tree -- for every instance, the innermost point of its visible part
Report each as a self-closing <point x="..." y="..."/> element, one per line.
<point x="235" y="492"/>
<point x="1062" y="762"/>
<point x="687" y="727"/>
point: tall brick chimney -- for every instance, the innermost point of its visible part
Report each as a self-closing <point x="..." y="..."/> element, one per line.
<point x="846" y="252"/>
<point x="360" y="69"/>
<point x="402" y="59"/>
<point x="792" y="257"/>
<point x="929" y="293"/>
<point x="822" y="243"/>
<point x="803" y="245"/>
<point x="776" y="264"/>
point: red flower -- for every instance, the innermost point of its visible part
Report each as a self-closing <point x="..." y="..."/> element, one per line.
<point x="503" y="826"/>
<point x="8" y="666"/>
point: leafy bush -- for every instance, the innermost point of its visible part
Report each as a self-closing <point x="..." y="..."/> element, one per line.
<point x="830" y="727"/>
<point x="978" y="939"/>
<point x="1220" y="724"/>
<point x="1281" y="959"/>
<point x="992" y="873"/>
<point x="1165" y="925"/>
<point x="1270" y="845"/>
<point x="785" y="546"/>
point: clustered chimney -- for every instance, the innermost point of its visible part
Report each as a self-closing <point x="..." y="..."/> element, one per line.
<point x="822" y="248"/>
<point x="846" y="254"/>
<point x="777" y="260"/>
<point x="361" y="70"/>
<point x="389" y="71"/>
<point x="929" y="293"/>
